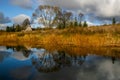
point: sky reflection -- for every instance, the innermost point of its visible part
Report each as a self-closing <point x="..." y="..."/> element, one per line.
<point x="39" y="63"/>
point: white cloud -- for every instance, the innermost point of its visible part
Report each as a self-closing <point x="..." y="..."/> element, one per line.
<point x="90" y="23"/>
<point x="98" y="68"/>
<point x="3" y="26"/>
<point x="27" y="4"/>
<point x="99" y="8"/>
<point x="20" y="18"/>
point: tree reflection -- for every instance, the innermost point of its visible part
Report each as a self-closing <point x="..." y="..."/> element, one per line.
<point x="26" y="52"/>
<point x="49" y="62"/>
<point x="113" y="59"/>
<point x="45" y="62"/>
<point x="23" y="49"/>
<point x="78" y="60"/>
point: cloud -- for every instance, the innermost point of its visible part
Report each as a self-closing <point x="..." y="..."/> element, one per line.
<point x="100" y="8"/>
<point x="27" y="4"/>
<point x="94" y="68"/>
<point x="3" y="26"/>
<point x="20" y="18"/>
<point x="99" y="69"/>
<point x="4" y="19"/>
<point x="90" y="23"/>
<point x="103" y="9"/>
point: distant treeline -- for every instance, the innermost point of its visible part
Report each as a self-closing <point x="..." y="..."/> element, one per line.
<point x="18" y="27"/>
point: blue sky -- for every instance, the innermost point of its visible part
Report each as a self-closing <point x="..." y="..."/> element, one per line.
<point x="96" y="11"/>
<point x="10" y="10"/>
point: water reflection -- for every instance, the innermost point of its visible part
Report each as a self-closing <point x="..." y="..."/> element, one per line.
<point x="49" y="62"/>
<point x="3" y="55"/>
<point x="66" y="63"/>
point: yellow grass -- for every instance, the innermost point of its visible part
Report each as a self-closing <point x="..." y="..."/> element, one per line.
<point x="82" y="37"/>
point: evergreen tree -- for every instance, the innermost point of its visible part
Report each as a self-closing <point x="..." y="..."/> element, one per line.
<point x="13" y="28"/>
<point x="8" y="29"/>
<point x="85" y="24"/>
<point x="113" y="21"/>
<point x="18" y="28"/>
<point x="75" y="23"/>
<point x="80" y="24"/>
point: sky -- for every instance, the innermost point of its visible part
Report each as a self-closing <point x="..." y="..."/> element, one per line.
<point x="96" y="11"/>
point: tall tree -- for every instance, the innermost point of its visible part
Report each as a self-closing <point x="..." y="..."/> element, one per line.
<point x="76" y="22"/>
<point x="45" y="15"/>
<point x="80" y="18"/>
<point x="63" y="18"/>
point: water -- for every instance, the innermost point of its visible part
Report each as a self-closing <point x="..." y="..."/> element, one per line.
<point x="67" y="63"/>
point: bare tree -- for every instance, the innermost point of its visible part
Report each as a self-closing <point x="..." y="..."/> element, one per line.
<point x="63" y="17"/>
<point x="45" y="15"/>
<point x="80" y="18"/>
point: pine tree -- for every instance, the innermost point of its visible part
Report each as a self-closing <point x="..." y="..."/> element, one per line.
<point x="113" y="21"/>
<point x="13" y="28"/>
<point x="80" y="24"/>
<point x="85" y="24"/>
<point x="18" y="28"/>
<point x="75" y="23"/>
<point x="8" y="29"/>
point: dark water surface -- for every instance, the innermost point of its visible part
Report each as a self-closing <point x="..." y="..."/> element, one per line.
<point x="26" y="63"/>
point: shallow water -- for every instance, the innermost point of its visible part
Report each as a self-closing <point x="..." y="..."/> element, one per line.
<point x="26" y="63"/>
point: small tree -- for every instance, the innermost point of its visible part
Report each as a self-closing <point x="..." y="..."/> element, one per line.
<point x="80" y="24"/>
<point x="113" y="21"/>
<point x="18" y="28"/>
<point x="8" y="29"/>
<point x="85" y="24"/>
<point x="13" y="28"/>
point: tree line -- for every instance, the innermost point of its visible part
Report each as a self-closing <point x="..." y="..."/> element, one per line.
<point x="18" y="27"/>
<point x="52" y="16"/>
